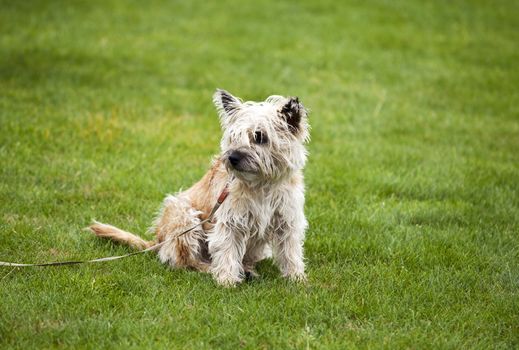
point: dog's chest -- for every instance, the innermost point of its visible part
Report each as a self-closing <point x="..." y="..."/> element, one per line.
<point x="258" y="214"/>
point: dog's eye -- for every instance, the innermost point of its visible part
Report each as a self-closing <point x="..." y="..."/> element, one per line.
<point x="260" y="138"/>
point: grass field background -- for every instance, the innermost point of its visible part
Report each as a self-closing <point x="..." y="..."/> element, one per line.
<point x="412" y="180"/>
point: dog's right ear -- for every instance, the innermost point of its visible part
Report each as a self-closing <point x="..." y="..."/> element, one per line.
<point x="226" y="104"/>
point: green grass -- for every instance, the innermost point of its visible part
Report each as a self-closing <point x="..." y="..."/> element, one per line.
<point x="412" y="180"/>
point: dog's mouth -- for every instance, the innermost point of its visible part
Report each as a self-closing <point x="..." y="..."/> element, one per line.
<point x="240" y="168"/>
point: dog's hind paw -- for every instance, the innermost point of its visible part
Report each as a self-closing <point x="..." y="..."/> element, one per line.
<point x="250" y="275"/>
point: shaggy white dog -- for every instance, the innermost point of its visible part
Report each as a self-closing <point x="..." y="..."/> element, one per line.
<point x="260" y="165"/>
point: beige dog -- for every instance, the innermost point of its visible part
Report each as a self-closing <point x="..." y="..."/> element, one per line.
<point x="261" y="162"/>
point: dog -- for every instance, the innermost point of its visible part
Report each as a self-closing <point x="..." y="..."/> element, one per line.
<point x="261" y="167"/>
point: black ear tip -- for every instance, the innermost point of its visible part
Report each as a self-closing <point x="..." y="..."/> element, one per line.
<point x="293" y="103"/>
<point x="226" y="96"/>
<point x="226" y="100"/>
<point x="223" y="92"/>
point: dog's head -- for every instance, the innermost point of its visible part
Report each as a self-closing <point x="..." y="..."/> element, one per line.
<point x="262" y="141"/>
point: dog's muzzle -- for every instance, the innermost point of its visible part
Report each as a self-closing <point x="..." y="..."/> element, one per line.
<point x="235" y="158"/>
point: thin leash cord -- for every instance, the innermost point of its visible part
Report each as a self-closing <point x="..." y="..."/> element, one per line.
<point x="219" y="202"/>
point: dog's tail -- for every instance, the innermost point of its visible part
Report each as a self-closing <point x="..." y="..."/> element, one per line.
<point x="118" y="235"/>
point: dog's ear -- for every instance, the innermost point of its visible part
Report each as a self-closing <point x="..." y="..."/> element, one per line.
<point x="293" y="112"/>
<point x="226" y="104"/>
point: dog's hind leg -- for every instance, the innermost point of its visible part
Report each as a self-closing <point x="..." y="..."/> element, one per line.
<point x="256" y="251"/>
<point x="177" y="215"/>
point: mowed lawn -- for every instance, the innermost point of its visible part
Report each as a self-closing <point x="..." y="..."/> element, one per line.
<point x="412" y="180"/>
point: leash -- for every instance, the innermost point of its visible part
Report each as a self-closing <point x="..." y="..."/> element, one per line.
<point x="223" y="195"/>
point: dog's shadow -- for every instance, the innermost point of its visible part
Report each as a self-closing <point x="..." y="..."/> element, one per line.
<point x="266" y="269"/>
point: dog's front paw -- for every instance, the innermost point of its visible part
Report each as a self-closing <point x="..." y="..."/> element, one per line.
<point x="228" y="282"/>
<point x="299" y="277"/>
<point x="226" y="279"/>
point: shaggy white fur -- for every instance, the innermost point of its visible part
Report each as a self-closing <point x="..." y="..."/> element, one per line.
<point x="261" y="160"/>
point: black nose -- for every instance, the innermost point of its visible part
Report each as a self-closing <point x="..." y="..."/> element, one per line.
<point x="235" y="157"/>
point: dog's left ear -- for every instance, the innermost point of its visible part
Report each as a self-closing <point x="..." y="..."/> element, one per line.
<point x="226" y="104"/>
<point x="293" y="112"/>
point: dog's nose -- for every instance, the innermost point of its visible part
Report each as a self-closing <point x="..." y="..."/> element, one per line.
<point x="235" y="157"/>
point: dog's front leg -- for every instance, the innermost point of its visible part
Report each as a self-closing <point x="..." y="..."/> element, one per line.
<point x="227" y="248"/>
<point x="288" y="249"/>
